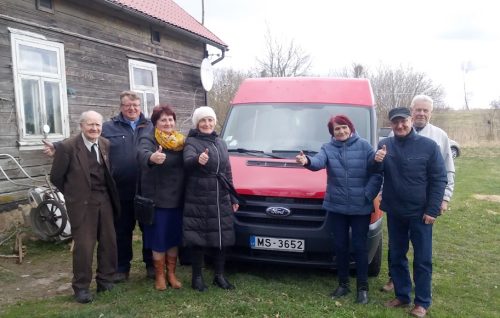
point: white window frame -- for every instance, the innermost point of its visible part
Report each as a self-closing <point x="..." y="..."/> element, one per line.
<point x="19" y="37"/>
<point x="142" y="90"/>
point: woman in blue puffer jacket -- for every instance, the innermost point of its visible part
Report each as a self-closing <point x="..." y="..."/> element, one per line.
<point x="352" y="183"/>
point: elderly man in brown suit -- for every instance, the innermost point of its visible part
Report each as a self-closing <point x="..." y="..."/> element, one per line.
<point x="80" y="170"/>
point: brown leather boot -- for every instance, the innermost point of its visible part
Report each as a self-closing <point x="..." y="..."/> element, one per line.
<point x="160" y="274"/>
<point x="171" y="265"/>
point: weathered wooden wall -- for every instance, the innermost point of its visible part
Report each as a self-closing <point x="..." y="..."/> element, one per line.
<point x="98" y="42"/>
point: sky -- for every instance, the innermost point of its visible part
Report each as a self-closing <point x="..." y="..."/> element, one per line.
<point x="454" y="42"/>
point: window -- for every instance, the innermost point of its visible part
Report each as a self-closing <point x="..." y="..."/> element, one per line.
<point x="144" y="81"/>
<point x="155" y="36"/>
<point x="40" y="87"/>
<point x="45" y="5"/>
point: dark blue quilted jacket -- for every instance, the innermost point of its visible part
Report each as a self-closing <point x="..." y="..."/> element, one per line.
<point x="352" y="180"/>
<point x="414" y="176"/>
<point x="123" y="152"/>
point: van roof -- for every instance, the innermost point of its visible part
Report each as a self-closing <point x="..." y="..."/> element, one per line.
<point x="352" y="91"/>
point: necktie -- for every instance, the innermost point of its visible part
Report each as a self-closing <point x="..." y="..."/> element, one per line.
<point x="93" y="150"/>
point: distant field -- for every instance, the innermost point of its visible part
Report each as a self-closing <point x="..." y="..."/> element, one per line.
<point x="470" y="128"/>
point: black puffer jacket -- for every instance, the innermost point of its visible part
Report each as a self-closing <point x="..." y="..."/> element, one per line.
<point x="208" y="213"/>
<point x="164" y="183"/>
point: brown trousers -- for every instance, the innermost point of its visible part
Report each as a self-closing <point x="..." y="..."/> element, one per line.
<point x="97" y="226"/>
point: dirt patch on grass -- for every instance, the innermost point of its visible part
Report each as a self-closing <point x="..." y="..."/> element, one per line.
<point x="487" y="197"/>
<point x="40" y="275"/>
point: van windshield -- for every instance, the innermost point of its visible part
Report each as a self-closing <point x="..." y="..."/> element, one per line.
<point x="285" y="129"/>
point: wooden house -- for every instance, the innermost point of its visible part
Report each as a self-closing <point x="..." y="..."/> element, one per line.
<point x="59" y="58"/>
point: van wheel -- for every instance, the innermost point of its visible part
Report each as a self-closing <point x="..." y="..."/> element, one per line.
<point x="374" y="267"/>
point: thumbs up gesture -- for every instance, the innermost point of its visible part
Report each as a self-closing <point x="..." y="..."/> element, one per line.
<point x="301" y="158"/>
<point x="380" y="154"/>
<point x="203" y="158"/>
<point x="158" y="156"/>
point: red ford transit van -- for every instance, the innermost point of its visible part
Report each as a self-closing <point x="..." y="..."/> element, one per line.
<point x="269" y="122"/>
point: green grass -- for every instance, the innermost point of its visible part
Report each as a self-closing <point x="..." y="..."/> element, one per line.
<point x="465" y="281"/>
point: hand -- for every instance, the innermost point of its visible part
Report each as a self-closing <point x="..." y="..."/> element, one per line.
<point x="158" y="157"/>
<point x="380" y="154"/>
<point x="428" y="219"/>
<point x="236" y="206"/>
<point x="203" y="158"/>
<point x="48" y="148"/>
<point x="444" y="206"/>
<point x="301" y="158"/>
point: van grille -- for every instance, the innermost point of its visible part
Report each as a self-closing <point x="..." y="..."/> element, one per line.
<point x="305" y="213"/>
<point x="274" y="164"/>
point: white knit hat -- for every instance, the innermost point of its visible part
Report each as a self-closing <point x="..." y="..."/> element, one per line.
<point x="202" y="112"/>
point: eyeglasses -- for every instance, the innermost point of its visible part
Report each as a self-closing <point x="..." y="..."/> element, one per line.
<point x="131" y="105"/>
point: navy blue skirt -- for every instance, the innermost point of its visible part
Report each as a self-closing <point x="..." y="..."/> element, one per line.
<point x="166" y="230"/>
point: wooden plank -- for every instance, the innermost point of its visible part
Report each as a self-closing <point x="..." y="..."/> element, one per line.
<point x="8" y="128"/>
<point x="104" y="23"/>
<point x="10" y="200"/>
<point x="7" y="107"/>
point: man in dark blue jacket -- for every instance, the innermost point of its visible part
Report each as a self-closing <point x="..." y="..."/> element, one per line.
<point x="414" y="184"/>
<point x="123" y="132"/>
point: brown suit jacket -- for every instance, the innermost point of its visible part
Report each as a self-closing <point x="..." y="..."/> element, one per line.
<point x="70" y="174"/>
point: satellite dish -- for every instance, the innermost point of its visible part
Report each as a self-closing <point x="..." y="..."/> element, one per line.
<point x="207" y="74"/>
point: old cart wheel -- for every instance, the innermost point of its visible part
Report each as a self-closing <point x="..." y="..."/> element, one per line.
<point x="49" y="218"/>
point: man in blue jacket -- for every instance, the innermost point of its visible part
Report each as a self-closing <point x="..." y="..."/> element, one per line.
<point x="123" y="132"/>
<point x="414" y="183"/>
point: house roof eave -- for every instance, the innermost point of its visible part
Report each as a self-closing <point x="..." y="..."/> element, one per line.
<point x="220" y="45"/>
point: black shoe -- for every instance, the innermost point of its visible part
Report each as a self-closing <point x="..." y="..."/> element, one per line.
<point x="120" y="277"/>
<point x="104" y="287"/>
<point x="222" y="282"/>
<point x="198" y="284"/>
<point x="341" y="291"/>
<point x="83" y="296"/>
<point x="150" y="272"/>
<point x="362" y="297"/>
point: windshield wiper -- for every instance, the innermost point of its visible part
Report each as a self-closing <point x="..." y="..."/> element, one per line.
<point x="306" y="152"/>
<point x="254" y="152"/>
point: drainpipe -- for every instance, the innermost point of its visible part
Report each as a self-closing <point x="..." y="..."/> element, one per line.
<point x="223" y="54"/>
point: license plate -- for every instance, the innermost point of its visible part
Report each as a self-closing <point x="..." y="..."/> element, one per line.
<point x="277" y="244"/>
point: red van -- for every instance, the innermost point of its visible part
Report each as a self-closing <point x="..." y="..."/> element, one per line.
<point x="269" y="122"/>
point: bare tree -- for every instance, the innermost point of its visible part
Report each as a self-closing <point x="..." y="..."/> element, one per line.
<point x="282" y="59"/>
<point x="395" y="86"/>
<point x="466" y="67"/>
<point x="355" y="70"/>
<point x="492" y="120"/>
<point x="226" y="83"/>
<point x="495" y="104"/>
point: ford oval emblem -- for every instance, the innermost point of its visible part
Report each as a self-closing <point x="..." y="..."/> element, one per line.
<point x="278" y="211"/>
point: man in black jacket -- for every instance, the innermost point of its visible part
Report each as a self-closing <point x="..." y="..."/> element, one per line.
<point x="123" y="132"/>
<point x="414" y="184"/>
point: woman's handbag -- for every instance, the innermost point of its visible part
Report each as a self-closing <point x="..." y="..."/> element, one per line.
<point x="144" y="209"/>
